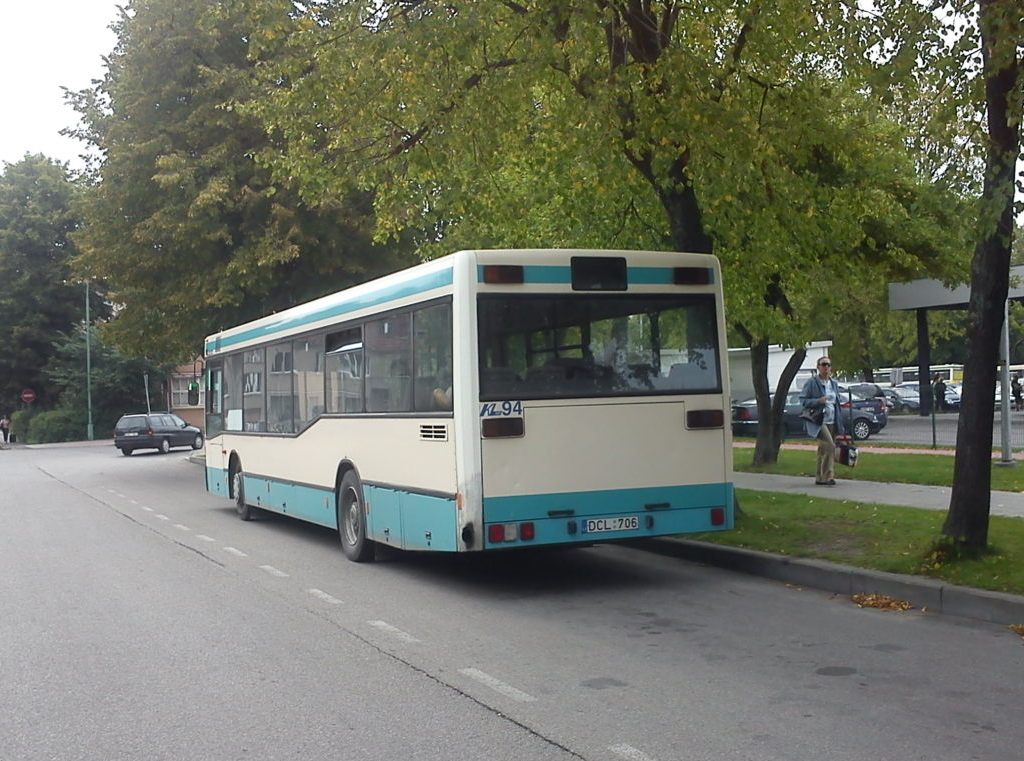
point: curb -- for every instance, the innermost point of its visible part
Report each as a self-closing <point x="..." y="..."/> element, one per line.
<point x="924" y="593"/>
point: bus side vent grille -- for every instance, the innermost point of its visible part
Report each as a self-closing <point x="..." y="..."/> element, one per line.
<point x="434" y="432"/>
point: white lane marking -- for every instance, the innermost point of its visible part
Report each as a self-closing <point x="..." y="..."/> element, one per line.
<point x="497" y="685"/>
<point x="133" y="501"/>
<point x="394" y="631"/>
<point x="205" y="538"/>
<point x="162" y="517"/>
<point x="319" y="593"/>
<point x="628" y="751"/>
<point x="147" y="509"/>
<point x="273" y="571"/>
<point x="236" y="553"/>
<point x="182" y="526"/>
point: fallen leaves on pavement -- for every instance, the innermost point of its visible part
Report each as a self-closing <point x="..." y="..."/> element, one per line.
<point x="882" y="602"/>
<point x="1017" y="628"/>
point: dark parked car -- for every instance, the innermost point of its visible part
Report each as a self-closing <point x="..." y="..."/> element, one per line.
<point x="904" y="399"/>
<point x="156" y="430"/>
<point x="861" y="423"/>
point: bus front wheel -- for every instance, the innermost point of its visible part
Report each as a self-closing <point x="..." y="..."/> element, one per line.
<point x="352" y="520"/>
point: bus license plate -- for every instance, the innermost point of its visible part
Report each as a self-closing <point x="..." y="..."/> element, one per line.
<point x="617" y="523"/>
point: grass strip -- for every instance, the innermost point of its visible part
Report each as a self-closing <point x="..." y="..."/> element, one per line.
<point x="926" y="469"/>
<point x="879" y="537"/>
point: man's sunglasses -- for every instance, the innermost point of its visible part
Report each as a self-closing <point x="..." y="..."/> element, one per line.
<point x="825" y="364"/>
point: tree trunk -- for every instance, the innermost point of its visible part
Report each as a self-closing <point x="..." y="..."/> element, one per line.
<point x="967" y="520"/>
<point x="771" y="403"/>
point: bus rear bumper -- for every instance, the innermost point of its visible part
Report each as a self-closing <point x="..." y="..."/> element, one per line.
<point x="617" y="515"/>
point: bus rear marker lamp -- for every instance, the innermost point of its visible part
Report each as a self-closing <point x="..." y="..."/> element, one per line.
<point x="503" y="274"/>
<point x="717" y="516"/>
<point x="571" y="527"/>
<point x="691" y="275"/>
<point x="649" y="521"/>
<point x="502" y="427"/>
<point x="704" y="418"/>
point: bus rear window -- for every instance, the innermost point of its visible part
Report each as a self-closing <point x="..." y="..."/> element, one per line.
<point x="541" y="347"/>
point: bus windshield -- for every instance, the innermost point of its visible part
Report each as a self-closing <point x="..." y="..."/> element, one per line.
<point x="571" y="346"/>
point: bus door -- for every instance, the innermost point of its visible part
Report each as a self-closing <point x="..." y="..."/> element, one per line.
<point x="215" y="456"/>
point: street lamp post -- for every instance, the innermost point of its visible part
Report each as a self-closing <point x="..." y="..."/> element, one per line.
<point x="88" y="365"/>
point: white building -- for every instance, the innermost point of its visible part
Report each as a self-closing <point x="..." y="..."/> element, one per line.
<point x="741" y="382"/>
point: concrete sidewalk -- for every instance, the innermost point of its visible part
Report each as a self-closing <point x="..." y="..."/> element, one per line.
<point x="1010" y="504"/>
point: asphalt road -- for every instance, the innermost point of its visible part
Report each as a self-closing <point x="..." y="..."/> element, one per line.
<point x="140" y="619"/>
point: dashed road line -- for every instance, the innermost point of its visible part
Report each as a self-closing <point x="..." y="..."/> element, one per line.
<point x="237" y="553"/>
<point x="629" y="752"/>
<point x="205" y="538"/>
<point x="147" y="509"/>
<point x="394" y="631"/>
<point x="182" y="527"/>
<point x="162" y="517"/>
<point x="274" y="571"/>
<point x="497" y="685"/>
<point x="320" y="594"/>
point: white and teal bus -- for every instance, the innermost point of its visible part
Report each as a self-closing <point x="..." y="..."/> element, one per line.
<point x="487" y="400"/>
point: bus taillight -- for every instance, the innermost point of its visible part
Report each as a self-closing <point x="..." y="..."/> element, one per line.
<point x="704" y="418"/>
<point x="692" y="275"/>
<point x="717" y="516"/>
<point x="511" y="532"/>
<point x="502" y="427"/>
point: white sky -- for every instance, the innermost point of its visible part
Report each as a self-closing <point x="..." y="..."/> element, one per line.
<point x="45" y="44"/>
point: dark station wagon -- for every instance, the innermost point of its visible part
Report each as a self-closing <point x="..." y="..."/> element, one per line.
<point x="156" y="430"/>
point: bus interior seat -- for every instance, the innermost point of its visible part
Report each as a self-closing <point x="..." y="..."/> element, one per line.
<point x="423" y="392"/>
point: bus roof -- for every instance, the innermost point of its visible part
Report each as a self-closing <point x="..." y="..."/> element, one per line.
<point x="427" y="280"/>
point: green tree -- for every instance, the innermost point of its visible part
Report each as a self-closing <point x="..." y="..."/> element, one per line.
<point x="1000" y="31"/>
<point x="116" y="381"/>
<point x="38" y="301"/>
<point x="741" y="130"/>
<point x="189" y="233"/>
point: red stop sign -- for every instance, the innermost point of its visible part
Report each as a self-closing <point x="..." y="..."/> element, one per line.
<point x="28" y="396"/>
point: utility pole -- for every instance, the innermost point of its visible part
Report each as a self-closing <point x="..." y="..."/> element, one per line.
<point x="88" y="364"/>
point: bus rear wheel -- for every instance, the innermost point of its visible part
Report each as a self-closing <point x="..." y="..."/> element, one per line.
<point x="352" y="520"/>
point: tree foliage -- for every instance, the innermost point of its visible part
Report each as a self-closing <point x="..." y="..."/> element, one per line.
<point x="748" y="130"/>
<point x="38" y="299"/>
<point x="115" y="383"/>
<point x="190" y="233"/>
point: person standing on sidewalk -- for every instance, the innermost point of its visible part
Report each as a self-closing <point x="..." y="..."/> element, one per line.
<point x="939" y="393"/>
<point x="821" y="394"/>
<point x="5" y="429"/>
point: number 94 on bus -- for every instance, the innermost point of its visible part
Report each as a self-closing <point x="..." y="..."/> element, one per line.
<point x="501" y="409"/>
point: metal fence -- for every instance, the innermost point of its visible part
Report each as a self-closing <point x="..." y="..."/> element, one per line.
<point x="941" y="430"/>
